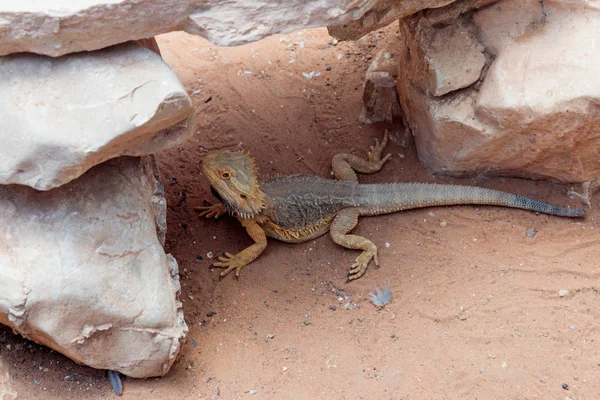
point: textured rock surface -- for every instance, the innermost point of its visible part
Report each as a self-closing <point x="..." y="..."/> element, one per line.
<point x="521" y="97"/>
<point x="61" y="116"/>
<point x="379" y="14"/>
<point x="64" y="26"/>
<point x="83" y="270"/>
<point x="380" y="97"/>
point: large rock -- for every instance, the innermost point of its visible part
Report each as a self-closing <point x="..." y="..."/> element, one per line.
<point x="83" y="270"/>
<point x="508" y="89"/>
<point x="61" y="116"/>
<point x="59" y="27"/>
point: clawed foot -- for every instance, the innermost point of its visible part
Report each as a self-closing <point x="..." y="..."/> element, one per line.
<point x="361" y="264"/>
<point x="212" y="211"/>
<point x="229" y="262"/>
<point x="376" y="151"/>
<point x="589" y="189"/>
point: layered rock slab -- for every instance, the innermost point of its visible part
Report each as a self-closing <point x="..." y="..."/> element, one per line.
<point x="83" y="269"/>
<point x="60" y="27"/>
<point x="521" y="97"/>
<point x="381" y="13"/>
<point x="61" y="116"/>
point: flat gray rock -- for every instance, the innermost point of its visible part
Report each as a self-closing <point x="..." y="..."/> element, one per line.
<point x="57" y="27"/>
<point x="61" y="116"/>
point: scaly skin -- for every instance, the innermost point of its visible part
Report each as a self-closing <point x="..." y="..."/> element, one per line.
<point x="299" y="208"/>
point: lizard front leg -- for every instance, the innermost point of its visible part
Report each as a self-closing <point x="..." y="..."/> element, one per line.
<point x="344" y="222"/>
<point x="214" y="210"/>
<point x="345" y="165"/>
<point x="246" y="256"/>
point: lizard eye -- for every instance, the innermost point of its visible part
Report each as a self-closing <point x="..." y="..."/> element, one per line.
<point x="225" y="174"/>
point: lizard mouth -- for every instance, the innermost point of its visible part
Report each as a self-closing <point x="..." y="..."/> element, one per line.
<point x="233" y="208"/>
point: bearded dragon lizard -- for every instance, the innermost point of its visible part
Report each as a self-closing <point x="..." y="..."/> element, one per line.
<point x="299" y="208"/>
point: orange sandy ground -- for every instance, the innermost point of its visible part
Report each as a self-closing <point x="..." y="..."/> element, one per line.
<point x="476" y="312"/>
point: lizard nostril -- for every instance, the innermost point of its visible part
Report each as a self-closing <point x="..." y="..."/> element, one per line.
<point x="243" y="196"/>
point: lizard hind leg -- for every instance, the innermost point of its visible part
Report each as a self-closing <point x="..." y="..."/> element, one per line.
<point x="344" y="222"/>
<point x="346" y="165"/>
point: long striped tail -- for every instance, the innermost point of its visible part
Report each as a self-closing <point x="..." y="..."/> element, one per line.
<point x="386" y="198"/>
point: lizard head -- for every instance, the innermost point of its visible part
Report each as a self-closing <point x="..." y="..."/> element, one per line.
<point x="233" y="180"/>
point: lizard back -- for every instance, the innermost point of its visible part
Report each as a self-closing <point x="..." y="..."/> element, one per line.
<point x="301" y="201"/>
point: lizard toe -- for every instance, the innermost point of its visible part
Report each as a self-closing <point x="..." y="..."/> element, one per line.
<point x="227" y="271"/>
<point x="356" y="272"/>
<point x="354" y="268"/>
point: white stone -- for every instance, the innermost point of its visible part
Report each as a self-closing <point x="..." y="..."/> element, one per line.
<point x="534" y="111"/>
<point x="61" y="116"/>
<point x="83" y="270"/>
<point x="57" y="27"/>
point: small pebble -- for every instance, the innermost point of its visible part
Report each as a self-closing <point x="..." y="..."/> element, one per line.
<point x="443" y="223"/>
<point x="328" y="68"/>
<point x="530" y="232"/>
<point x="334" y="42"/>
<point x="311" y="74"/>
<point x="387" y="244"/>
<point x="207" y="98"/>
<point x="195" y="92"/>
<point x="252" y="391"/>
<point x="198" y="257"/>
<point x="565" y="386"/>
<point x="284" y="369"/>
<point x="269" y="337"/>
<point x="563" y="292"/>
<point x="209" y="254"/>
